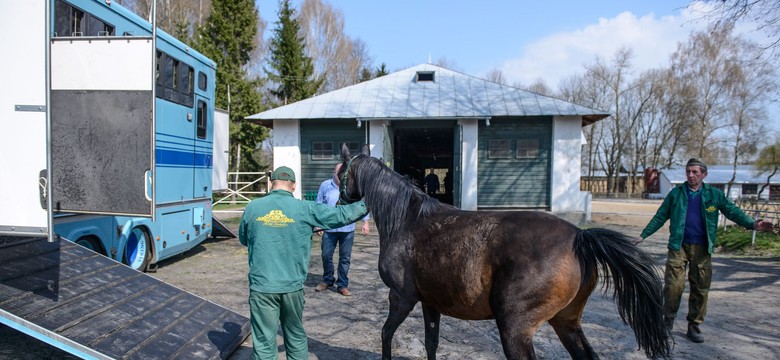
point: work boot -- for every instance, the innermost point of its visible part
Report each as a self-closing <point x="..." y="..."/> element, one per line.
<point x="668" y="323"/>
<point x="322" y="286"/>
<point x="694" y="333"/>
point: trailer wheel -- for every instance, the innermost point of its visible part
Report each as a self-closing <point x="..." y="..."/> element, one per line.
<point x="137" y="249"/>
<point x="92" y="243"/>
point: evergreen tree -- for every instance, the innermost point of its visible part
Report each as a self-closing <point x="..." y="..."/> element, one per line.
<point x="291" y="70"/>
<point x="228" y="37"/>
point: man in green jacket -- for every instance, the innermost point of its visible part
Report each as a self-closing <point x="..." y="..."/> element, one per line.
<point x="277" y="231"/>
<point x="692" y="209"/>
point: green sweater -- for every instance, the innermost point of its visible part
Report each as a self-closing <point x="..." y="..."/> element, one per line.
<point x="675" y="206"/>
<point x="277" y="231"/>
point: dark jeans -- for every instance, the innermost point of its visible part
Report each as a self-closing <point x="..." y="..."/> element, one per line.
<point x="344" y="240"/>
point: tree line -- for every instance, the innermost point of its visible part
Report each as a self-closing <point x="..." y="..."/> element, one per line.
<point x="709" y="102"/>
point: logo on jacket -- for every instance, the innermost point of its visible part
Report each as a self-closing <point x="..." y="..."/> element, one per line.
<point x="712" y="208"/>
<point x="275" y="218"/>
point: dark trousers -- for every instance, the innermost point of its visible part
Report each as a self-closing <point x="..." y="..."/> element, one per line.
<point x="699" y="263"/>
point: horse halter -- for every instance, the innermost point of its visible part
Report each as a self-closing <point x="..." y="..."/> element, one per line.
<point x="343" y="196"/>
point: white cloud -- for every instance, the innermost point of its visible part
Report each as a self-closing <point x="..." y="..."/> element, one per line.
<point x="554" y="57"/>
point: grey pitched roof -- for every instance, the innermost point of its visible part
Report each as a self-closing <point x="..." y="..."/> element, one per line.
<point x="721" y="174"/>
<point x="451" y="95"/>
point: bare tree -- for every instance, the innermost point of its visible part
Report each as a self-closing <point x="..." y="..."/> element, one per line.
<point x="614" y="78"/>
<point x="763" y="14"/>
<point x="176" y="17"/>
<point x="496" y="75"/>
<point x="338" y="59"/>
<point x="539" y="86"/>
<point x="702" y="70"/>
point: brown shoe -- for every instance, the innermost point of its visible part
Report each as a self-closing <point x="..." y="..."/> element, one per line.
<point x="345" y="292"/>
<point x="321" y="287"/>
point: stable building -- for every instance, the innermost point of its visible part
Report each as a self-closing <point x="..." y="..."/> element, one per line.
<point x="501" y="147"/>
<point x="746" y="181"/>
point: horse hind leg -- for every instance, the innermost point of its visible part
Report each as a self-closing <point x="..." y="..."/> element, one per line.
<point x="567" y="324"/>
<point x="399" y="311"/>
<point x="516" y="337"/>
<point x="431" y="317"/>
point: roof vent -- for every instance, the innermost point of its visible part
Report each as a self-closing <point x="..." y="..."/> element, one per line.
<point x="425" y="76"/>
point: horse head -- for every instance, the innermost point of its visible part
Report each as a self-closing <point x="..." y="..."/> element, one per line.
<point x="349" y="192"/>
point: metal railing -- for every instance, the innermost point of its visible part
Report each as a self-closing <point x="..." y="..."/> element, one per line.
<point x="243" y="187"/>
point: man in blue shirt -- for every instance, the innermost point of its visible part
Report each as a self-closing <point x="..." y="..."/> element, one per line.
<point x="343" y="236"/>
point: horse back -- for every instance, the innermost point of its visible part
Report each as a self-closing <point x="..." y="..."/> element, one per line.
<point x="458" y="256"/>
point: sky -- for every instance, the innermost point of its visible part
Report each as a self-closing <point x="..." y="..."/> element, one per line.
<point x="526" y="40"/>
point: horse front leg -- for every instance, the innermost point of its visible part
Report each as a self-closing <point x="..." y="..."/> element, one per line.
<point x="431" y="317"/>
<point x="399" y="310"/>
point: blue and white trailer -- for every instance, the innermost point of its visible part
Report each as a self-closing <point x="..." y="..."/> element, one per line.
<point x="107" y="140"/>
<point x="143" y="190"/>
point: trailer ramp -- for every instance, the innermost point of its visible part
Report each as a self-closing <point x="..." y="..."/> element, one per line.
<point x="95" y="308"/>
<point x="219" y="229"/>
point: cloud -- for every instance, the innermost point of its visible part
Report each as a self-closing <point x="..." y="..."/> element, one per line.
<point x="652" y="39"/>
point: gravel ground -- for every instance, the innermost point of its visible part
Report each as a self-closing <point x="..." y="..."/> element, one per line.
<point x="741" y="323"/>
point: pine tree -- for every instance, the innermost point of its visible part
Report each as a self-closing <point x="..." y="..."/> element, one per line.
<point x="228" y="38"/>
<point x="291" y="69"/>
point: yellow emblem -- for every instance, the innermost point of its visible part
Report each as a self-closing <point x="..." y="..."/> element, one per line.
<point x="712" y="208"/>
<point x="275" y="218"/>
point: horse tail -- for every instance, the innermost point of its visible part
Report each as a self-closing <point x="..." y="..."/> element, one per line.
<point x="637" y="288"/>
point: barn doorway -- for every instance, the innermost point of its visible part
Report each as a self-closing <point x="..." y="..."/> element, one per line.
<point x="419" y="146"/>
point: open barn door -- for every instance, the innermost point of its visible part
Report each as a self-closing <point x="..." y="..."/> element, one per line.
<point x="102" y="126"/>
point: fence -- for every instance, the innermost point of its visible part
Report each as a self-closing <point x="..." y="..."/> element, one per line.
<point x="758" y="209"/>
<point x="243" y="187"/>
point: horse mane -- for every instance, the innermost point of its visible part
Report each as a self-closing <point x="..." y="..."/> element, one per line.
<point x="389" y="196"/>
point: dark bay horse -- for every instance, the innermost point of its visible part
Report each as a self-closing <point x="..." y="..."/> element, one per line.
<point x="521" y="268"/>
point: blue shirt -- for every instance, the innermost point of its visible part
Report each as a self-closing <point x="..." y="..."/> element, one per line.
<point x="695" y="233"/>
<point x="329" y="194"/>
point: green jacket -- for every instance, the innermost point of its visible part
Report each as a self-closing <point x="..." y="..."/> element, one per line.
<point x="675" y="206"/>
<point x="277" y="231"/>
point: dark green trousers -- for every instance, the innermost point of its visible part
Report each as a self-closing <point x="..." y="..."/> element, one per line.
<point x="267" y="311"/>
<point x="698" y="261"/>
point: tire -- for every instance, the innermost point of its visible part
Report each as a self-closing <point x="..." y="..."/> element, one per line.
<point x="91" y="243"/>
<point x="138" y="249"/>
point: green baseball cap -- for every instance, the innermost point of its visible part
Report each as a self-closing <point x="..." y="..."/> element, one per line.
<point x="283" y="173"/>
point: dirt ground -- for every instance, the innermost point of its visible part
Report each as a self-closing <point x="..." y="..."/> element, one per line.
<point x="741" y="322"/>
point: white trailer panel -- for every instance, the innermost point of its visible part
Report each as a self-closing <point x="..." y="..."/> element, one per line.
<point x="23" y="116"/>
<point x="219" y="177"/>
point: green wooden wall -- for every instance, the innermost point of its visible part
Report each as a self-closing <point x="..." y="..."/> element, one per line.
<point x="515" y="182"/>
<point x="315" y="171"/>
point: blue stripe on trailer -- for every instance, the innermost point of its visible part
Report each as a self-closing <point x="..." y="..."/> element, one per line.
<point x="183" y="158"/>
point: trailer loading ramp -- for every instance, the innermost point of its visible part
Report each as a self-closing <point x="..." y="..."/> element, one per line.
<point x="94" y="307"/>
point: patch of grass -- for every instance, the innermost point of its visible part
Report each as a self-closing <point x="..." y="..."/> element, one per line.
<point x="231" y="220"/>
<point x="738" y="241"/>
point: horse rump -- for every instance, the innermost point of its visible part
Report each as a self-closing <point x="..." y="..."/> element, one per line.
<point x="637" y="288"/>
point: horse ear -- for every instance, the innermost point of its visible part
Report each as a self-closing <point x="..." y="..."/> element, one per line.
<point x="365" y="151"/>
<point x="344" y="152"/>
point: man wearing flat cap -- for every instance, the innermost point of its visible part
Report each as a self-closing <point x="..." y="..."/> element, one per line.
<point x="692" y="208"/>
<point x="277" y="231"/>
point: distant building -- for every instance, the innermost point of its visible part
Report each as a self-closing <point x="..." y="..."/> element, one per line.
<point x="747" y="183"/>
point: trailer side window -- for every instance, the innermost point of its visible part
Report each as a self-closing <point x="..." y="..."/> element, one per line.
<point x="201" y="81"/>
<point x="71" y="21"/>
<point x="202" y="120"/>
